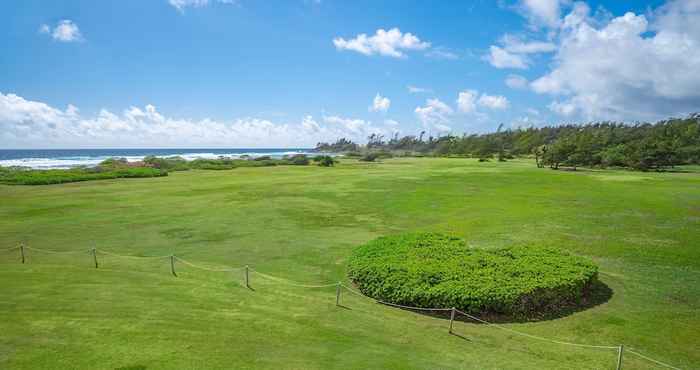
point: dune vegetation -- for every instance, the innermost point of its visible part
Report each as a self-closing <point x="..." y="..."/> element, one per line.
<point x="302" y="224"/>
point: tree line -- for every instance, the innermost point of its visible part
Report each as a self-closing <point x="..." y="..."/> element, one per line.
<point x="641" y="146"/>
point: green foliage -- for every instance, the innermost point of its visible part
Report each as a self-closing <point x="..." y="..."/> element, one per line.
<point x="114" y="163"/>
<point x="435" y="270"/>
<point x="298" y="160"/>
<point x="642" y="146"/>
<point x="167" y="163"/>
<point x="340" y="146"/>
<point x="324" y="160"/>
<point x="46" y="177"/>
<point x="369" y="157"/>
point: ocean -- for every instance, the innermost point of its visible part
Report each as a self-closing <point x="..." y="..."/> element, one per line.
<point x="68" y="158"/>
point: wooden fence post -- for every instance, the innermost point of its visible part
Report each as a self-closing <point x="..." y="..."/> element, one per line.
<point x="452" y="318"/>
<point x="337" y="294"/>
<point x="247" y="281"/>
<point x="21" y="251"/>
<point x="619" y="356"/>
<point x="94" y="257"/>
<point x="172" y="265"/>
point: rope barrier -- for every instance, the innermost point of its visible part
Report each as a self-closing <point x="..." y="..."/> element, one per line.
<point x="135" y="257"/>
<point x="207" y="268"/>
<point x="651" y="359"/>
<point x="535" y="336"/>
<point x="54" y="252"/>
<point x="353" y="291"/>
<point x="292" y="283"/>
<point x="412" y="308"/>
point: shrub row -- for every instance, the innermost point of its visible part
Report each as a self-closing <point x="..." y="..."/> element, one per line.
<point x="435" y="270"/>
<point x="13" y="176"/>
<point x="150" y="167"/>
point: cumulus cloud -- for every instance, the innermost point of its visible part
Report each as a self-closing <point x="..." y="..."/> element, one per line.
<point x="180" y="5"/>
<point x="27" y="123"/>
<point x="516" y="82"/>
<point x="630" y="68"/>
<point x="542" y="12"/>
<point x="64" y="31"/>
<point x="496" y="102"/>
<point x="390" y="43"/>
<point x="514" y="50"/>
<point x="435" y="115"/>
<point x="468" y="100"/>
<point x="502" y="58"/>
<point x="380" y="104"/>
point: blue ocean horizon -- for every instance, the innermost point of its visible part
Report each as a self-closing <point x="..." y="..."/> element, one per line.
<point x="69" y="158"/>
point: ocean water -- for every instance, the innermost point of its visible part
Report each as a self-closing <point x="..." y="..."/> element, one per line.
<point x="68" y="158"/>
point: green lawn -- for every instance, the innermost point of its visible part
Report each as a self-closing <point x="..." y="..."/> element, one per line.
<point x="300" y="223"/>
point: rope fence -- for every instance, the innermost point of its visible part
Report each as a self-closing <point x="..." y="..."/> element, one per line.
<point x="339" y="286"/>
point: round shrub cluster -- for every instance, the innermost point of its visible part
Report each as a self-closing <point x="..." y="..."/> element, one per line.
<point x="440" y="271"/>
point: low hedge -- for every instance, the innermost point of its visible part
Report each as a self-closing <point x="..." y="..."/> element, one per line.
<point x="47" y="177"/>
<point x="435" y="270"/>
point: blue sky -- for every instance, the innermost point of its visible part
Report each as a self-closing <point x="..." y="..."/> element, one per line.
<point x="245" y="73"/>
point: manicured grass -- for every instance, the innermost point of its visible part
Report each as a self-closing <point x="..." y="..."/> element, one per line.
<point x="301" y="223"/>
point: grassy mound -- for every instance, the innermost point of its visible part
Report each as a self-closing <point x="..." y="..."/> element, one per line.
<point x="435" y="270"/>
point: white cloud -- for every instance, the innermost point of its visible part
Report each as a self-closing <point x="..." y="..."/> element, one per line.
<point x="469" y="100"/>
<point x="630" y="68"/>
<point x="26" y="124"/>
<point x="388" y="43"/>
<point x="380" y="104"/>
<point x="542" y="12"/>
<point x="435" y="115"/>
<point x="562" y="109"/>
<point x="502" y="58"/>
<point x="64" y="31"/>
<point x="418" y="90"/>
<point x="516" y="82"/>
<point x="496" y="102"/>
<point x="180" y="5"/>
<point x="513" y="52"/>
<point x="466" y="101"/>
<point x="516" y="45"/>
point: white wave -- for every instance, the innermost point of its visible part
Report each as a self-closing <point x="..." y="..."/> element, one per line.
<point x="77" y="161"/>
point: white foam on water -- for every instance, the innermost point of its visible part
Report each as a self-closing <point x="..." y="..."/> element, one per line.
<point x="72" y="162"/>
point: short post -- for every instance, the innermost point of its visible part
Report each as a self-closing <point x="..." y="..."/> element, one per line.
<point x="619" y="356"/>
<point x="172" y="265"/>
<point x="94" y="257"/>
<point x="452" y="318"/>
<point x="21" y="251"/>
<point x="247" y="281"/>
<point x="337" y="294"/>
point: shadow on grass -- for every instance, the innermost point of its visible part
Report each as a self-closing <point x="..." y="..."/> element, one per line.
<point x="597" y="294"/>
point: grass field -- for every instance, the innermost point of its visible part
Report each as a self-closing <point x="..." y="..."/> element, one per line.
<point x="300" y="223"/>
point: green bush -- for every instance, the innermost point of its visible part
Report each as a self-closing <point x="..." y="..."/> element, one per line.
<point x="324" y="160"/>
<point x="47" y="177"/>
<point x="170" y="163"/>
<point x="299" y="160"/>
<point x="369" y="157"/>
<point x="435" y="270"/>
